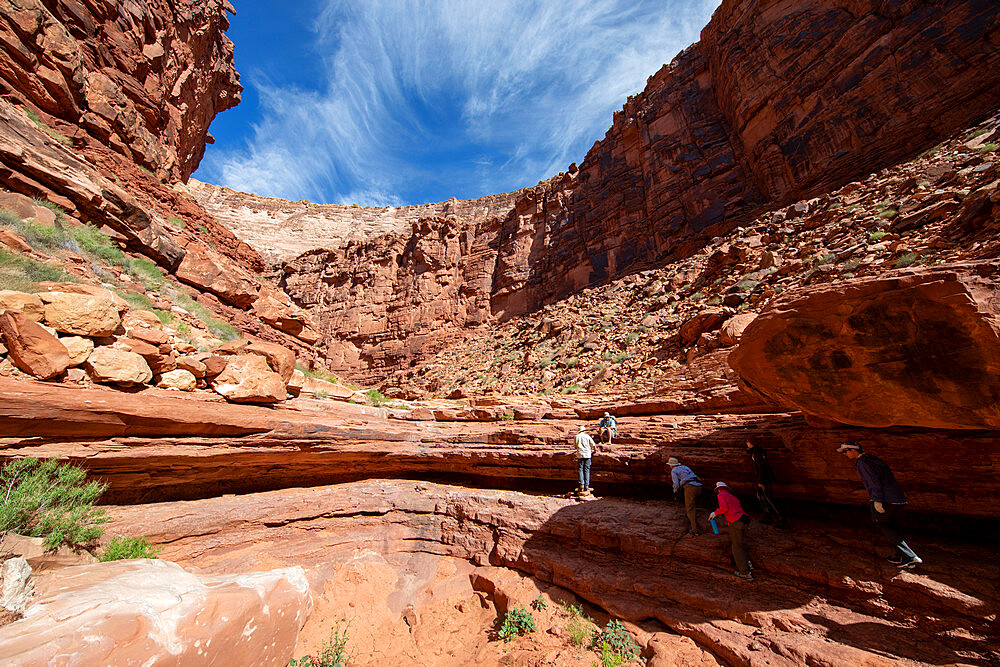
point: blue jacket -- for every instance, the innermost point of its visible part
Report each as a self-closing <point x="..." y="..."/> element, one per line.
<point x="879" y="480"/>
<point x="681" y="475"/>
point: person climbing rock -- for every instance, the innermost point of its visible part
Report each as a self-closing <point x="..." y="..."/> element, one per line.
<point x="608" y="428"/>
<point x="886" y="499"/>
<point x="585" y="448"/>
<point x="764" y="479"/>
<point x="684" y="478"/>
<point x="729" y="507"/>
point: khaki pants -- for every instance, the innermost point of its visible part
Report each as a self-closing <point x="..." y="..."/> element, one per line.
<point x="691" y="494"/>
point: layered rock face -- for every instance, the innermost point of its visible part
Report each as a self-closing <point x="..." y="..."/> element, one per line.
<point x="778" y="101"/>
<point x="145" y="78"/>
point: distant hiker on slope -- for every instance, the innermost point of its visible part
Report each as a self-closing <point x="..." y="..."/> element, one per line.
<point x="729" y="507"/>
<point x="608" y="428"/>
<point x="764" y="478"/>
<point x="585" y="448"/>
<point x="886" y="498"/>
<point x="683" y="478"/>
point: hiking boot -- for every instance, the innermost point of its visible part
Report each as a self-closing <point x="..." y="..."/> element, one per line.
<point x="694" y="533"/>
<point x="910" y="563"/>
<point x="745" y="577"/>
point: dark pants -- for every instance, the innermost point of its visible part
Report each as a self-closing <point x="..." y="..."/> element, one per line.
<point x="766" y="500"/>
<point x="691" y="494"/>
<point x="886" y="522"/>
<point x="583" y="472"/>
<point x="737" y="531"/>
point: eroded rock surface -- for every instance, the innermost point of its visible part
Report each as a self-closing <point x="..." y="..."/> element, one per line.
<point x="914" y="348"/>
<point x="155" y="612"/>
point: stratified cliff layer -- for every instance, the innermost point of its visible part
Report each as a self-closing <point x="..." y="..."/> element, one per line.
<point x="144" y="77"/>
<point x="779" y="101"/>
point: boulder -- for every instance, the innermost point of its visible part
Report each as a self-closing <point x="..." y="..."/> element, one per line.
<point x="294" y="386"/>
<point x="27" y="304"/>
<point x="193" y="366"/>
<point x="214" y="364"/>
<point x="110" y="365"/>
<point x="733" y="328"/>
<point x="148" y="611"/>
<point x="212" y="272"/>
<point x="275" y="308"/>
<point x="177" y="379"/>
<point x="31" y="348"/>
<point x="279" y="358"/>
<point x="17" y="588"/>
<point x="248" y="379"/>
<point x="692" y="329"/>
<point x="141" y="319"/>
<point x="79" y="348"/>
<point x="910" y="348"/>
<point x="83" y="314"/>
<point x="155" y="337"/>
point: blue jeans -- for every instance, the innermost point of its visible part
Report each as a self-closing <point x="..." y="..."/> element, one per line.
<point x="583" y="472"/>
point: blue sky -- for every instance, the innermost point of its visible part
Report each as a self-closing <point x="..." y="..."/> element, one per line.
<point x="391" y="102"/>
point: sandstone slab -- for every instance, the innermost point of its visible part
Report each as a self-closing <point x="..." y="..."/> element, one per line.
<point x="913" y="348"/>
<point x="28" y="304"/>
<point x="31" y="348"/>
<point x="279" y="358"/>
<point x="149" y="611"/>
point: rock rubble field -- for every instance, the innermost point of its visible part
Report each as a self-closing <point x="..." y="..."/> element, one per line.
<point x="314" y="425"/>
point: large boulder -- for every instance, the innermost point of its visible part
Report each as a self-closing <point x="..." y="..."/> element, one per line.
<point x="147" y="611"/>
<point x="31" y="348"/>
<point x="28" y="304"/>
<point x="212" y="272"/>
<point x="79" y="349"/>
<point x="248" y="379"/>
<point x="279" y="358"/>
<point x="734" y="327"/>
<point x="110" y="365"/>
<point x="911" y="348"/>
<point x="83" y="314"/>
<point x="707" y="320"/>
<point x="179" y="379"/>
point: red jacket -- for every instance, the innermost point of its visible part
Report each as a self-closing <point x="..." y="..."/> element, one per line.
<point x="729" y="506"/>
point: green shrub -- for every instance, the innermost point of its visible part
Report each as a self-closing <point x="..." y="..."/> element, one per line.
<point x="615" y="645"/>
<point x="136" y="300"/>
<point x="618" y="358"/>
<point x="888" y="214"/>
<point x="572" y="389"/>
<point x="539" y="603"/>
<point x="321" y="394"/>
<point x="507" y="416"/>
<point x="375" y="397"/>
<point x="176" y="222"/>
<point x="907" y="259"/>
<point x="165" y="316"/>
<point x="579" y="626"/>
<point x="875" y="237"/>
<point x="222" y="330"/>
<point x="49" y="499"/>
<point x="547" y="361"/>
<point x="572" y="363"/>
<point x="517" y="621"/>
<point x="20" y="273"/>
<point x="988" y="147"/>
<point x="124" y="548"/>
<point x="334" y="652"/>
<point x="95" y="243"/>
<point x="146" y="272"/>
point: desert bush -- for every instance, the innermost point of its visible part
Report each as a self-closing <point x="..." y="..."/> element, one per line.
<point x="375" y="397"/>
<point x="579" y="627"/>
<point x="615" y="645"/>
<point x="176" y="222"/>
<point x="875" y="237"/>
<point x="124" y="548"/>
<point x="334" y="652"/>
<point x="20" y="273"/>
<point x="539" y="603"/>
<point x="55" y="134"/>
<point x="49" y="499"/>
<point x="517" y="621"/>
<point x="907" y="259"/>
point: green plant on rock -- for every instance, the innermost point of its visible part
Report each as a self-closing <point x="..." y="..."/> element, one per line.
<point x="375" y="397"/>
<point x="55" y="134"/>
<point x="907" y="259"/>
<point x="334" y="652"/>
<point x="321" y="394"/>
<point x="539" y="603"/>
<point x="176" y="222"/>
<point x="21" y="273"/>
<point x="875" y="237"/>
<point x="517" y="621"/>
<point x="124" y="548"/>
<point x="615" y="645"/>
<point x="571" y="389"/>
<point x="51" y="500"/>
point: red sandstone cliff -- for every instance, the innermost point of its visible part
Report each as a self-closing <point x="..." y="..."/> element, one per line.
<point x="144" y="78"/>
<point x="778" y="101"/>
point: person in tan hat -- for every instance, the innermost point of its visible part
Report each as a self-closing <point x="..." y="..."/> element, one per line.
<point x="585" y="448"/>
<point x="684" y="478"/>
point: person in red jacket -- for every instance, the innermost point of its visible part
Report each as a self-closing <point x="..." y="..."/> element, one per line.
<point x="729" y="507"/>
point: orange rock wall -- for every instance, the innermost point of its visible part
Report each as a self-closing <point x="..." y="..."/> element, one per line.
<point x="145" y="78"/>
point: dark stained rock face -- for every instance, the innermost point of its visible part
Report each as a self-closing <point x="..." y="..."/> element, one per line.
<point x="913" y="348"/>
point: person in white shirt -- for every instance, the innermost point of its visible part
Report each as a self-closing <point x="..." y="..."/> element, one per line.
<point x="585" y="448"/>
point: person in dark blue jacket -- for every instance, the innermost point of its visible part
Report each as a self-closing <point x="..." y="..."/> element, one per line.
<point x="886" y="498"/>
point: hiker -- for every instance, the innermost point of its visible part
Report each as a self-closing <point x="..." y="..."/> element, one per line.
<point x="729" y="507"/>
<point x="886" y="498"/>
<point x="764" y="478"/>
<point x="608" y="428"/>
<point x="585" y="447"/>
<point x="683" y="477"/>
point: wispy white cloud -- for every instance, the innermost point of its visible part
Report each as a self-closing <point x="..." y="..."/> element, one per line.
<point x="425" y="99"/>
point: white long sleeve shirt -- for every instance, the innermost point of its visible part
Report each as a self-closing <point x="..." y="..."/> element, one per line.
<point x="584" y="446"/>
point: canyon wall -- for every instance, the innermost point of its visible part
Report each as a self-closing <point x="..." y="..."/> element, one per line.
<point x="779" y="101"/>
<point x="144" y="77"/>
